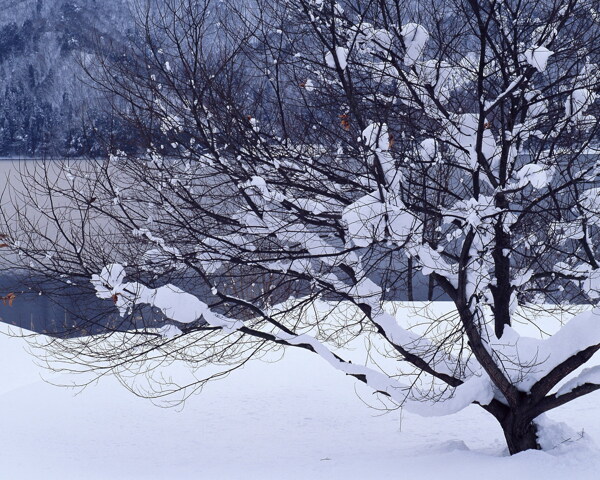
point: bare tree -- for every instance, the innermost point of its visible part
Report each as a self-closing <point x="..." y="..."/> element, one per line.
<point x="302" y="155"/>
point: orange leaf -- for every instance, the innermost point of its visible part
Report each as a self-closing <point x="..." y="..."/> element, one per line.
<point x="345" y="122"/>
<point x="8" y="299"/>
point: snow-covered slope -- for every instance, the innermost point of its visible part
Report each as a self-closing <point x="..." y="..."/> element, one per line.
<point x="295" y="419"/>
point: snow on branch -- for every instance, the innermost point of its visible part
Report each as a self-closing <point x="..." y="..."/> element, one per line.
<point x="340" y="58"/>
<point x="415" y="38"/>
<point x="184" y="307"/>
<point x="173" y="302"/>
<point x="528" y="360"/>
<point x="538" y="57"/>
<point x="587" y="376"/>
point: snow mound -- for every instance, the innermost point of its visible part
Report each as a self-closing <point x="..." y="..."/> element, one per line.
<point x="556" y="436"/>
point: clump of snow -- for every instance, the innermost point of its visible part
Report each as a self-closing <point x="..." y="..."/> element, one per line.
<point x="461" y="136"/>
<point x="590" y="200"/>
<point x="376" y="136"/>
<point x="538" y="106"/>
<point x="538" y="175"/>
<point x="474" y="212"/>
<point x="174" y="303"/>
<point x="112" y="274"/>
<point x="577" y="104"/>
<point x="365" y="220"/>
<point x="368" y="217"/>
<point x="374" y="39"/>
<point x="341" y="54"/>
<point x="538" y="57"/>
<point x="429" y="149"/>
<point x="415" y="37"/>
<point x="431" y="261"/>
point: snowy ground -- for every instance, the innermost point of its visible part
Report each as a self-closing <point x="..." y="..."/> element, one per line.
<point x="295" y="419"/>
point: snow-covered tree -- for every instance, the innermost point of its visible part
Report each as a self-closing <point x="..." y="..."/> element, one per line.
<point x="301" y="154"/>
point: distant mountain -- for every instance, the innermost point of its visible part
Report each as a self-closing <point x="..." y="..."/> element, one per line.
<point x="44" y="109"/>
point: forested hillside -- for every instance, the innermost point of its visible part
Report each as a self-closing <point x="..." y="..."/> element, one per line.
<point x="45" y="109"/>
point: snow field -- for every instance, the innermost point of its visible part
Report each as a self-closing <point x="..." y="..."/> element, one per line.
<point x="297" y="418"/>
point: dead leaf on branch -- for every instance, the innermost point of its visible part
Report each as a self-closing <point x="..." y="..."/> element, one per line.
<point x="8" y="299"/>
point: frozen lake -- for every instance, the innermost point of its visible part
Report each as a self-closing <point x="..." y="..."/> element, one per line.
<point x="37" y="312"/>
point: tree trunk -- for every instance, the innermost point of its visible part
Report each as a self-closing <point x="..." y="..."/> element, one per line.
<point x="430" y="289"/>
<point x="520" y="433"/>
<point x="409" y="280"/>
